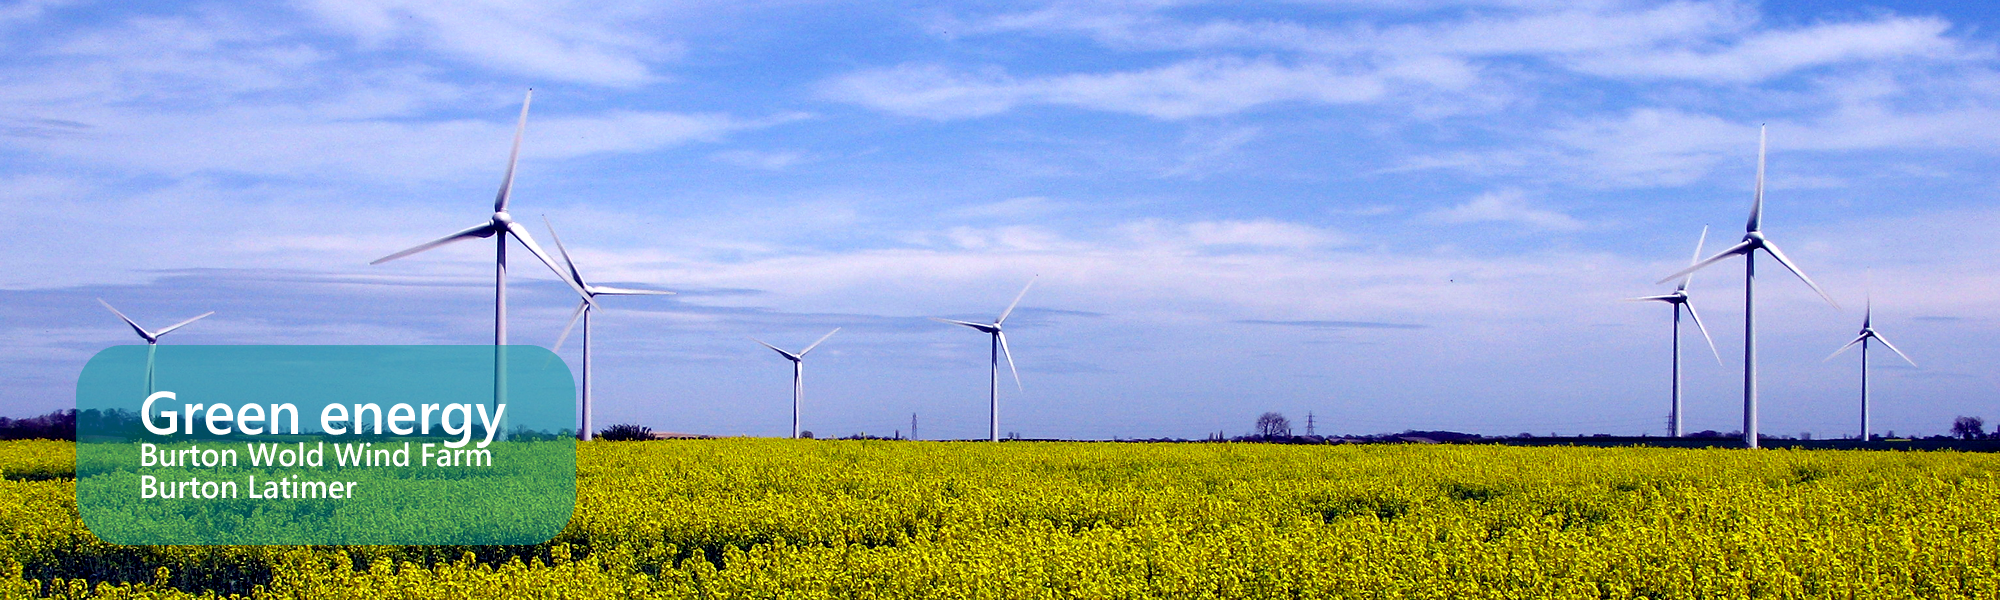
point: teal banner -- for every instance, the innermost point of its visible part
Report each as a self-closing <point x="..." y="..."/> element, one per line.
<point x="270" y="445"/>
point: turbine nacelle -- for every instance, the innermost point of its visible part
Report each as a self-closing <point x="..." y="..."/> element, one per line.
<point x="151" y="337"/>
<point x="1000" y="350"/>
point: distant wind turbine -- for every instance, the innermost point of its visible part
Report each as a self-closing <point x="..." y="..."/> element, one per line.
<point x="1753" y="240"/>
<point x="798" y="374"/>
<point x="1679" y="299"/>
<point x="999" y="349"/>
<point x="583" y="308"/>
<point x="152" y="337"/>
<point x="1868" y="333"/>
<point x="502" y="225"/>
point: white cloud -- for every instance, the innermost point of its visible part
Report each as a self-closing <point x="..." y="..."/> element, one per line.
<point x="1211" y="152"/>
<point x="278" y="141"/>
<point x="1264" y="233"/>
<point x="755" y="159"/>
<point x="1646" y="147"/>
<point x="1193" y="88"/>
<point x="24" y="11"/>
<point x="1768" y="54"/>
<point x="586" y="42"/>
<point x="1013" y="208"/>
<point x="1505" y="206"/>
<point x="1467" y="59"/>
<point x="1530" y="30"/>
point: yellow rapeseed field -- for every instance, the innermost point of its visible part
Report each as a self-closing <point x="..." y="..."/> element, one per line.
<point x="757" y="518"/>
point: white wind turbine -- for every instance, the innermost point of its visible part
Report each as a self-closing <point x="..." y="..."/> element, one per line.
<point x="1753" y="240"/>
<point x="501" y="225"/>
<point x="999" y="349"/>
<point x="583" y="309"/>
<point x="1679" y="299"/>
<point x="1868" y="333"/>
<point x="152" y="337"/>
<point x="798" y="374"/>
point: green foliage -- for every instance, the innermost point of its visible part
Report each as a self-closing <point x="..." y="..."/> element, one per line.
<point x="757" y="518"/>
<point x="624" y="432"/>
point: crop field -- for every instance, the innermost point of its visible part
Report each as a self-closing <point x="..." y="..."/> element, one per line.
<point x="754" y="518"/>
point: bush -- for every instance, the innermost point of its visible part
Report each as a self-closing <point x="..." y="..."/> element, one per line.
<point x="625" y="432"/>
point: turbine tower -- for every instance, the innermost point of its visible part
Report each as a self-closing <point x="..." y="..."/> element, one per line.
<point x="152" y="337"/>
<point x="798" y="376"/>
<point x="583" y="308"/>
<point x="1679" y="299"/>
<point x="1868" y="333"/>
<point x="999" y="349"/>
<point x="501" y="225"/>
<point x="1753" y="240"/>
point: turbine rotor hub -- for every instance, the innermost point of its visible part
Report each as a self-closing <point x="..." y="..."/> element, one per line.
<point x="502" y="217"/>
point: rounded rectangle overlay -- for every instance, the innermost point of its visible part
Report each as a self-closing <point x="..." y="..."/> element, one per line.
<point x="287" y="445"/>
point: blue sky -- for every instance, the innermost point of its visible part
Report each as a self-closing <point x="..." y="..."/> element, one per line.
<point x="1389" y="214"/>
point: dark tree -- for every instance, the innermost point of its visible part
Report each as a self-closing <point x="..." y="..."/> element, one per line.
<point x="624" y="432"/>
<point x="1968" y="428"/>
<point x="58" y="425"/>
<point x="1272" y="425"/>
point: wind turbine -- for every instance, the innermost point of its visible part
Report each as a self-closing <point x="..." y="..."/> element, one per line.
<point x="501" y="225"/>
<point x="152" y="337"/>
<point x="583" y="308"/>
<point x="798" y="374"/>
<point x="1868" y="333"/>
<point x="999" y="349"/>
<point x="1753" y="240"/>
<point x="1679" y="299"/>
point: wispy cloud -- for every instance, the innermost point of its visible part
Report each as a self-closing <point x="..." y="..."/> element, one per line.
<point x="587" y="42"/>
<point x="1768" y="54"/>
<point x="1505" y="206"/>
<point x="272" y="141"/>
<point x="1330" y="325"/>
<point x="756" y="159"/>
<point x="1194" y="88"/>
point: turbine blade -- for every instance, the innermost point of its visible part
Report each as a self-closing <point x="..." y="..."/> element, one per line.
<point x="128" y="321"/>
<point x="1892" y="348"/>
<point x="979" y="326"/>
<point x="788" y="355"/>
<point x="599" y="290"/>
<point x="573" y="317"/>
<point x="1857" y="339"/>
<point x="181" y="324"/>
<point x="1757" y="201"/>
<point x="1661" y="298"/>
<point x="1868" y="313"/>
<point x="1787" y="262"/>
<point x="521" y="233"/>
<point x="1004" y="351"/>
<point x="564" y="251"/>
<point x="1017" y="301"/>
<point x="482" y="230"/>
<point x="1704" y="332"/>
<point x="514" y="156"/>
<point x="1739" y="248"/>
<point x="1689" y="280"/>
<point x="802" y="353"/>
